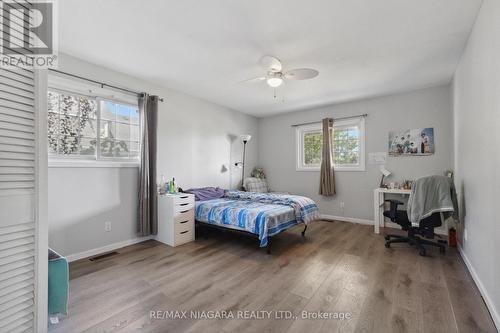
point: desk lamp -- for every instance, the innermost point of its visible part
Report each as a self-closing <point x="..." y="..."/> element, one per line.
<point x="385" y="173"/>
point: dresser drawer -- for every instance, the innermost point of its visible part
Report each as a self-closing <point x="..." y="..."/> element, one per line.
<point x="179" y="208"/>
<point x="185" y="215"/>
<point x="183" y="226"/>
<point x="184" y="236"/>
<point x="183" y="199"/>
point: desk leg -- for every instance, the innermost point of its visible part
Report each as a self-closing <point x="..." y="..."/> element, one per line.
<point x="381" y="218"/>
<point x="376" y="212"/>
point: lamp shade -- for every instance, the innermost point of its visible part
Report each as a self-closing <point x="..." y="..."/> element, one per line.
<point x="245" y="137"/>
<point x="384" y="171"/>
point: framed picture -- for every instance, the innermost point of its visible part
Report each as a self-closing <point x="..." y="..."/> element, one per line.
<point x="412" y="142"/>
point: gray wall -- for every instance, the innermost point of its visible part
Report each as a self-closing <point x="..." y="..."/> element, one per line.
<point x="196" y="138"/>
<point x="477" y="162"/>
<point x="424" y="108"/>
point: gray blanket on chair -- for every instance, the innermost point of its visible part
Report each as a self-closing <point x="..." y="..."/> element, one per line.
<point x="430" y="195"/>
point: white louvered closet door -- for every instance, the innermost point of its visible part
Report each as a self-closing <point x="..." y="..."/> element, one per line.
<point x="19" y="202"/>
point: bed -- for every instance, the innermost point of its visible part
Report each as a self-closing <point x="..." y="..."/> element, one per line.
<point x="260" y="214"/>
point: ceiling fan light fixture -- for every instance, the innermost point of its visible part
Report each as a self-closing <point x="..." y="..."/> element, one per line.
<point x="274" y="82"/>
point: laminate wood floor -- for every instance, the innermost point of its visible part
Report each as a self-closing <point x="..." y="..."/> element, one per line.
<point x="340" y="268"/>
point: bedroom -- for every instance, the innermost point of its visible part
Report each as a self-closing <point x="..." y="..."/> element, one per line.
<point x="357" y="100"/>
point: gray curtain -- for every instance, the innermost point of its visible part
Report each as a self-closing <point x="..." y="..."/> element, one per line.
<point x="327" y="177"/>
<point x="148" y="219"/>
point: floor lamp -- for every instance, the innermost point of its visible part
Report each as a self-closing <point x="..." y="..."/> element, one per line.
<point x="245" y="138"/>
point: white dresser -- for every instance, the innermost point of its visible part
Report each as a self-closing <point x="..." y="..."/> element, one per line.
<point x="175" y="219"/>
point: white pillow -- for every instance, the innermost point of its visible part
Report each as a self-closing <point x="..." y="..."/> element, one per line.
<point x="255" y="185"/>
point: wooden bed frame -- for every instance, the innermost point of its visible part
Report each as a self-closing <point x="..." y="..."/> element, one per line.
<point x="244" y="232"/>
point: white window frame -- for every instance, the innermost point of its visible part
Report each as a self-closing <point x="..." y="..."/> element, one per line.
<point x="300" y="131"/>
<point x="97" y="161"/>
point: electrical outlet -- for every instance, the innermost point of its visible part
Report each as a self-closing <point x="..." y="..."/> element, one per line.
<point x="107" y="226"/>
<point x="465" y="235"/>
<point x="342" y="204"/>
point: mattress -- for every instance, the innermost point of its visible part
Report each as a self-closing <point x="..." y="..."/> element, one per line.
<point x="253" y="214"/>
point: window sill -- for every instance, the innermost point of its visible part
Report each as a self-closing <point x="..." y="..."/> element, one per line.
<point x="91" y="164"/>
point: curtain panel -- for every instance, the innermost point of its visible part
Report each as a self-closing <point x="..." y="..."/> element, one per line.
<point x="327" y="176"/>
<point x="148" y="201"/>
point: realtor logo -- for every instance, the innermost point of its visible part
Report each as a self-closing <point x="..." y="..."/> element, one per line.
<point x="28" y="34"/>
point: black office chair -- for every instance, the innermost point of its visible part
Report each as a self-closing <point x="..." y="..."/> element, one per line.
<point x="415" y="235"/>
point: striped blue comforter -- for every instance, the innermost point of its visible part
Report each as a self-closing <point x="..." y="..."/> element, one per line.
<point x="263" y="214"/>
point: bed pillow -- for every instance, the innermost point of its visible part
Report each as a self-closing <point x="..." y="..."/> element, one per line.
<point x="206" y="193"/>
<point x="255" y="185"/>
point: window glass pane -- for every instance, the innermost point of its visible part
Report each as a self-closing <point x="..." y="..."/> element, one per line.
<point x="134" y="133"/>
<point x="114" y="148"/>
<point x="53" y="101"/>
<point x="68" y="134"/>
<point x="53" y="131"/>
<point x="108" y="110"/>
<point x="108" y="129"/>
<point x="107" y="146"/>
<point x="122" y="148"/>
<point x="69" y="118"/>
<point x="89" y="128"/>
<point x="134" y="116"/>
<point x="134" y="149"/>
<point x="122" y="131"/>
<point x="88" y="146"/>
<point x="88" y="108"/>
<point x="346" y="146"/>
<point x="68" y="105"/>
<point x="123" y="113"/>
<point x="68" y="145"/>
<point x="312" y="148"/>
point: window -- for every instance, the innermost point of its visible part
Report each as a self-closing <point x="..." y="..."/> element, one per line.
<point x="83" y="127"/>
<point x="347" y="146"/>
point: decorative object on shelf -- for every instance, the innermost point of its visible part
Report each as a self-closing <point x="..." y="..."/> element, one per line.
<point x="244" y="138"/>
<point x="407" y="184"/>
<point x="162" y="187"/>
<point x="412" y="142"/>
<point x="172" y="186"/>
<point x="385" y="173"/>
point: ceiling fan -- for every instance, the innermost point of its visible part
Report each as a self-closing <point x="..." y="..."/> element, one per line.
<point x="275" y="75"/>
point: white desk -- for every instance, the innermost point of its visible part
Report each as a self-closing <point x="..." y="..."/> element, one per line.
<point x="378" y="205"/>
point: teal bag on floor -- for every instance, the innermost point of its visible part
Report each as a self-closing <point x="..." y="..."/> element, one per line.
<point x="58" y="284"/>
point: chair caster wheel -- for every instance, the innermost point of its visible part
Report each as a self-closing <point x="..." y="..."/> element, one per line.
<point x="442" y="250"/>
<point x="387" y="237"/>
<point x="422" y="252"/>
<point x="387" y="245"/>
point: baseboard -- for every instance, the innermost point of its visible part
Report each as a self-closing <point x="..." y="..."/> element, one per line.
<point x="489" y="303"/>
<point x="347" y="219"/>
<point x="370" y="222"/>
<point x="107" y="248"/>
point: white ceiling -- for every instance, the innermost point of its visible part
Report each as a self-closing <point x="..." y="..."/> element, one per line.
<point x="362" y="48"/>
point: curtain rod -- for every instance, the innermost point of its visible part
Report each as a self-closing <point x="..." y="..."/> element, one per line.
<point x="101" y="83"/>
<point x="364" y="115"/>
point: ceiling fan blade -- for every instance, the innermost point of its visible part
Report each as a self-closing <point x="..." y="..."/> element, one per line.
<point x="301" y="74"/>
<point x="253" y="80"/>
<point x="270" y="63"/>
